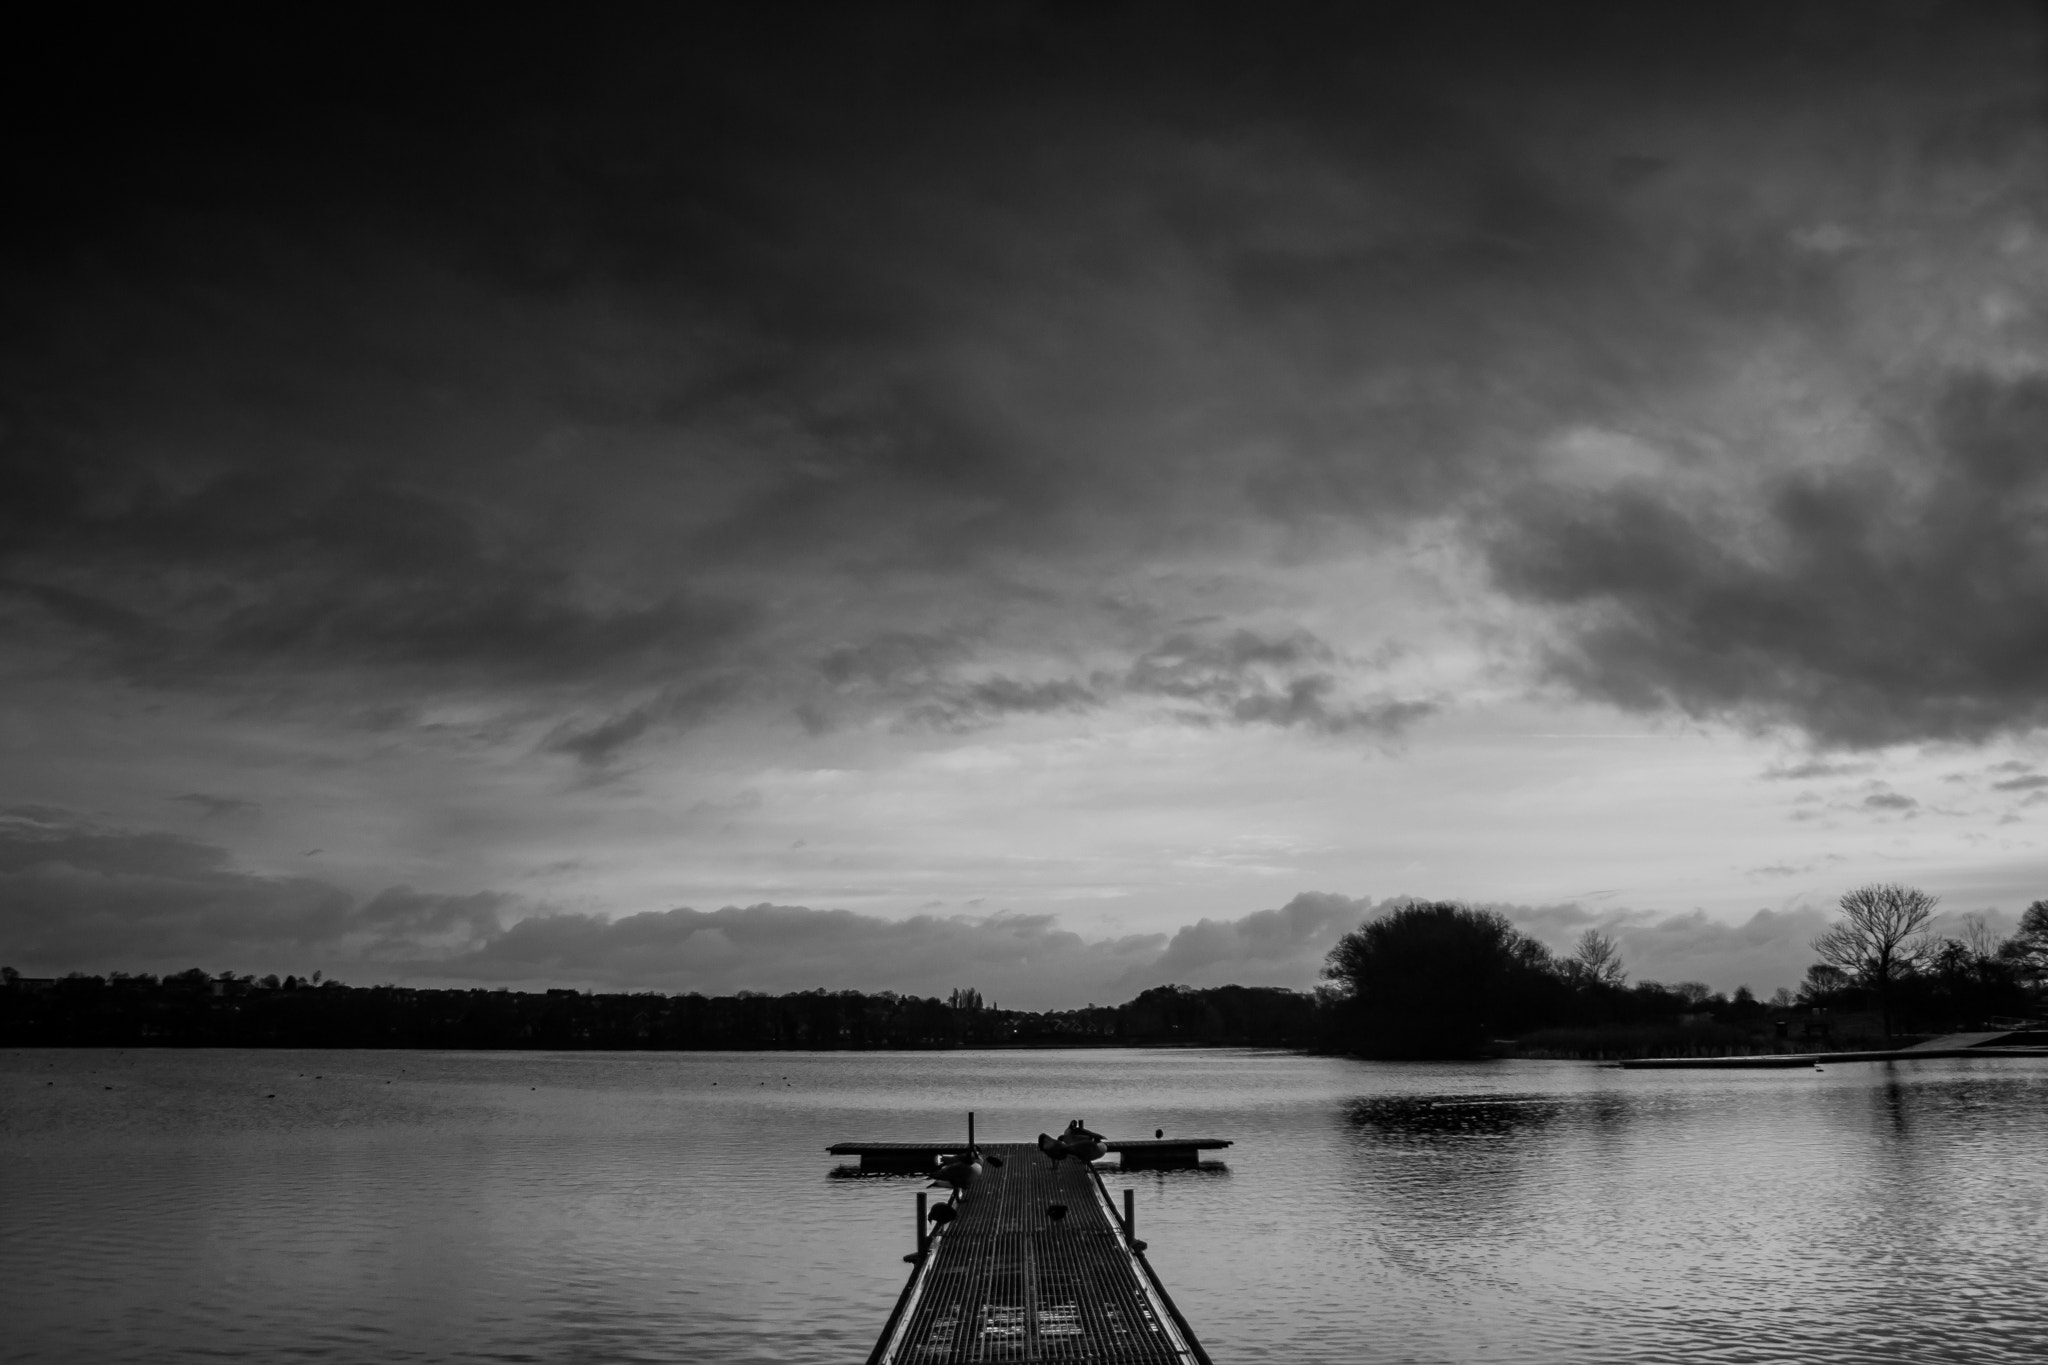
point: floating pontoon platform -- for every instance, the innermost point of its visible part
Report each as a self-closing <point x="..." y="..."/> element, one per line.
<point x="1137" y="1153"/>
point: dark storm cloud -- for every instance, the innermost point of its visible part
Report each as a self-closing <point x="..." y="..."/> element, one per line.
<point x="912" y="241"/>
<point x="77" y="895"/>
<point x="1883" y="603"/>
<point x="72" y="893"/>
<point x="493" y="351"/>
<point x="252" y="572"/>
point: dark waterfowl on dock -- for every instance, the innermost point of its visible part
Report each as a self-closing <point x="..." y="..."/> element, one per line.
<point x="1077" y="1142"/>
<point x="958" y="1172"/>
<point x="1083" y="1142"/>
<point x="960" y="1169"/>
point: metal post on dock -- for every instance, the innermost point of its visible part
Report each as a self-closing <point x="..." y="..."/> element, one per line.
<point x="1130" y="1212"/>
<point x="970" y="1130"/>
<point x="921" y="1224"/>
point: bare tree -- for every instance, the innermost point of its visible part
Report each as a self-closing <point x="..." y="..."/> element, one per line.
<point x="1882" y="935"/>
<point x="1596" y="960"/>
<point x="1979" y="937"/>
<point x="1693" y="993"/>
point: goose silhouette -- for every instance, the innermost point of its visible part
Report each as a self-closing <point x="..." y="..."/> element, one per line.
<point x="1082" y="1143"/>
<point x="959" y="1171"/>
<point x="1078" y="1142"/>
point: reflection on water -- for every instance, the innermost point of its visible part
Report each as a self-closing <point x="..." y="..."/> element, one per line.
<point x="166" y="1206"/>
<point x="1870" y="1213"/>
<point x="1433" y="1118"/>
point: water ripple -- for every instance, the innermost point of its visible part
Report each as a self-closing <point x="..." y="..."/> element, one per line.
<point x="273" y="1206"/>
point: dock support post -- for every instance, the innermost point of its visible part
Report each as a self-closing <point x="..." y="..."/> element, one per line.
<point x="970" y="1130"/>
<point x="1130" y="1212"/>
<point x="921" y="1224"/>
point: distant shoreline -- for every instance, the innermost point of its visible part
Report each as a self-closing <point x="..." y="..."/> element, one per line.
<point x="192" y="1009"/>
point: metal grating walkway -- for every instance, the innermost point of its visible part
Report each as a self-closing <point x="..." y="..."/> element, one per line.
<point x="1006" y="1282"/>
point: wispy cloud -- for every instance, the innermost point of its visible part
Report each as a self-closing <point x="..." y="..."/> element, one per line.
<point x="1808" y="769"/>
<point x="217" y="807"/>
<point x="1239" y="677"/>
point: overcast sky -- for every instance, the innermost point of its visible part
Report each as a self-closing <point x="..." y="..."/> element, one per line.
<point x="1048" y="499"/>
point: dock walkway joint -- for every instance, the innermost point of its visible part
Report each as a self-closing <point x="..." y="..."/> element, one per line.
<point x="1007" y="1281"/>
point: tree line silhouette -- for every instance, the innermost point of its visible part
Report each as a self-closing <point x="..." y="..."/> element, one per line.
<point x="195" y="1009"/>
<point x="1429" y="979"/>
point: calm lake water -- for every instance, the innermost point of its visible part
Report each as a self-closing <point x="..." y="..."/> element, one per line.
<point x="161" y="1206"/>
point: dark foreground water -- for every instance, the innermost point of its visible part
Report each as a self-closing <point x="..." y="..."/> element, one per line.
<point x="162" y="1206"/>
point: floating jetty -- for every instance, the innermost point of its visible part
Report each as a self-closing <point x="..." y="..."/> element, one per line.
<point x="1013" y="1278"/>
<point x="910" y="1158"/>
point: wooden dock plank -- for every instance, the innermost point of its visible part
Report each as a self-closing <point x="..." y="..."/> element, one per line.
<point x="1008" y="1282"/>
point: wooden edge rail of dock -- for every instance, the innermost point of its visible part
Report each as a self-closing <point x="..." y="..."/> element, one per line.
<point x="1038" y="1264"/>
